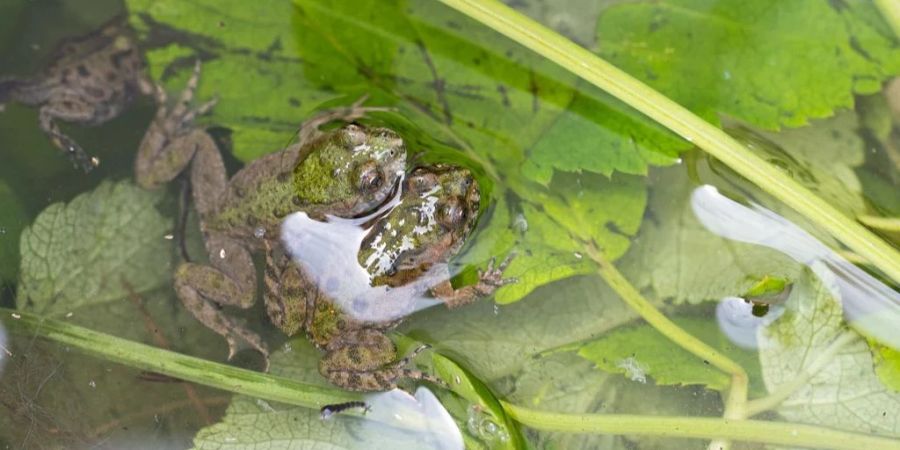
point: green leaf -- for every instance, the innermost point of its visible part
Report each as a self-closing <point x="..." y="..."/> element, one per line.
<point x="766" y="62"/>
<point x="82" y="254"/>
<point x="600" y="134"/>
<point x="844" y="390"/>
<point x="249" y="53"/>
<point x="547" y="232"/>
<point x="887" y="365"/>
<point x="640" y="352"/>
<point x="494" y="341"/>
<point x="12" y="221"/>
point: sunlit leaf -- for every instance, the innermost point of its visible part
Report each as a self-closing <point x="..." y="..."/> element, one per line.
<point x="767" y="62"/>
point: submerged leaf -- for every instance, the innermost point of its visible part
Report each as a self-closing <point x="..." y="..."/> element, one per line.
<point x="766" y="62"/>
<point x="83" y="253"/>
<point x="643" y="352"/>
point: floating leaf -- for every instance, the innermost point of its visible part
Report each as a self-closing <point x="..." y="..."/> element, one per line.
<point x="564" y="382"/>
<point x="768" y="62"/>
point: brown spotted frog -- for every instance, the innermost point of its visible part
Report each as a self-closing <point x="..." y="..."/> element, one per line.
<point x="92" y="79"/>
<point x="403" y="257"/>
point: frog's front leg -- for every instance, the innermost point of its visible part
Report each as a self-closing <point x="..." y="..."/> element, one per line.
<point x="488" y="281"/>
<point x="230" y="279"/>
<point x="364" y="360"/>
<point x="61" y="109"/>
<point x="171" y="141"/>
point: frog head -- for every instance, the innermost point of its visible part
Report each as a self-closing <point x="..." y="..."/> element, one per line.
<point x="438" y="209"/>
<point x="349" y="171"/>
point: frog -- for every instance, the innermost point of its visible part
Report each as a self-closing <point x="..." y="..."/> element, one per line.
<point x="350" y="172"/>
<point x="91" y="80"/>
<point x="437" y="211"/>
<point x="344" y="171"/>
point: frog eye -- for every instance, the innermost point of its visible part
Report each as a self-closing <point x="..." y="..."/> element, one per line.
<point x="355" y="135"/>
<point x="369" y="178"/>
<point x="422" y="182"/>
<point x="451" y="214"/>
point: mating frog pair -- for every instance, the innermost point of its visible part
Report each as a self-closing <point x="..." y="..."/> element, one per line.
<point x="346" y="172"/>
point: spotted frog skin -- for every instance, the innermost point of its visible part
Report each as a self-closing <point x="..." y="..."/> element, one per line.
<point x="343" y="172"/>
<point x="437" y="211"/>
<point x="92" y="79"/>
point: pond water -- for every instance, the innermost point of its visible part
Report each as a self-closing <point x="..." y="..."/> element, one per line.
<point x="610" y="284"/>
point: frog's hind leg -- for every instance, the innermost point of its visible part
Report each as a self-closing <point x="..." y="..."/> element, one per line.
<point x="230" y="280"/>
<point x="363" y="360"/>
<point x="57" y="109"/>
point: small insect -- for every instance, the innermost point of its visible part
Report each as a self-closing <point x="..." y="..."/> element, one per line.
<point x="329" y="410"/>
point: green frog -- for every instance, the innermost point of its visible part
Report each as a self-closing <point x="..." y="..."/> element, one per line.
<point x="343" y="172"/>
<point x="403" y="255"/>
<point x="350" y="172"/>
<point x="92" y="79"/>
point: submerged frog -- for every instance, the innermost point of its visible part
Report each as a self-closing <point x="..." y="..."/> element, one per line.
<point x="92" y="79"/>
<point x="437" y="210"/>
<point x="343" y="172"/>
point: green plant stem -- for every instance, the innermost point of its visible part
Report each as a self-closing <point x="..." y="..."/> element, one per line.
<point x="673" y="116"/>
<point x="737" y="395"/>
<point x="188" y="368"/>
<point x="890" y="9"/>
<point x="775" y="433"/>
